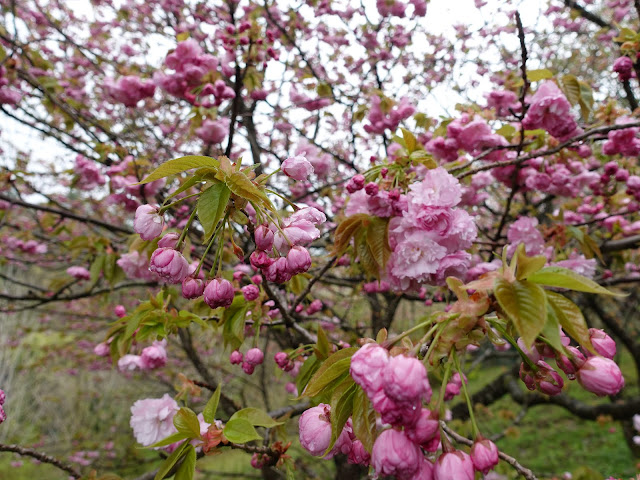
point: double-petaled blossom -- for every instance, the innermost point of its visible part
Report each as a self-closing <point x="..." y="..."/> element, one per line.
<point x="551" y="111"/>
<point x="315" y="429"/>
<point x="192" y="287"/>
<point x="250" y="292"/>
<point x="394" y="454"/>
<point x="154" y="356"/>
<point x="213" y="131"/>
<point x="152" y="419"/>
<point x="219" y="292"/>
<point x="169" y="264"/>
<point x="297" y="168"/>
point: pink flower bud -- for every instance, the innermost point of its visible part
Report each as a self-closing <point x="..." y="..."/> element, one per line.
<point x="394" y="454"/>
<point x="315" y="429"/>
<point x="250" y="292"/>
<point x="424" y="429"/>
<point x="484" y="455"/>
<point x="236" y="357"/>
<point x="169" y="264"/>
<point x="263" y="238"/>
<point x="371" y="189"/>
<point x="154" y="356"/>
<point x="3" y="397"/>
<point x="257" y="279"/>
<point x="291" y="388"/>
<point x="602" y="343"/>
<point x="298" y="260"/>
<point x="548" y="380"/>
<point x="218" y="293"/>
<point x="452" y="465"/>
<point x="355" y="183"/>
<point x="254" y="357"/>
<point x="405" y="379"/>
<point x="425" y="470"/>
<point x="120" y="311"/>
<point x="282" y="359"/>
<point x="366" y="367"/>
<point x="101" y="349"/>
<point x="297" y="168"/>
<point x="129" y="363"/>
<point x="570" y="365"/>
<point x="248" y="368"/>
<point x="278" y="271"/>
<point x="80" y="273"/>
<point x="395" y="413"/>
<point x="358" y="454"/>
<point x="3" y="415"/>
<point x="532" y="353"/>
<point x="148" y="222"/>
<point x="169" y="240"/>
<point x="526" y="375"/>
<point x="192" y="287"/>
<point x="260" y="260"/>
<point x="601" y="376"/>
<point x="314" y="307"/>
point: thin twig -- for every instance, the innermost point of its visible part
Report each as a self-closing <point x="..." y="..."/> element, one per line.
<point x="42" y="457"/>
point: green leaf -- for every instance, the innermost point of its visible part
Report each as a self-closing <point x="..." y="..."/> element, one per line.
<point x="409" y="140"/>
<point x="185" y="186"/>
<point x="187" y="468"/>
<point x="540" y="74"/>
<point x="171" y="460"/>
<point x="211" y="208"/>
<point x="210" y="409"/>
<point x="564" y="278"/>
<point x="176" y="437"/>
<point x="364" y="420"/>
<point x="525" y="304"/>
<point x="240" y="185"/>
<point x="586" y="99"/>
<point x="256" y="417"/>
<point x="571" y="88"/>
<point x="331" y="369"/>
<point x="345" y="232"/>
<point x="309" y="367"/>
<point x="239" y="430"/>
<point x="528" y="265"/>
<point x="551" y="330"/>
<point x="341" y="408"/>
<point x="179" y="165"/>
<point x="233" y="328"/>
<point x="570" y="318"/>
<point x="186" y="421"/>
<point x="323" y="346"/>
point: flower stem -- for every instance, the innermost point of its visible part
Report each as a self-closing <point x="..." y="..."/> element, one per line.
<point x="467" y="397"/>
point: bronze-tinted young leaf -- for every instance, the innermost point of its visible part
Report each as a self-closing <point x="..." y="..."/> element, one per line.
<point x="409" y="140"/>
<point x="179" y="165"/>
<point x="186" y="421"/>
<point x="528" y="265"/>
<point x="378" y="241"/>
<point x="570" y="318"/>
<point x="345" y="232"/>
<point x="171" y="460"/>
<point x="540" y="74"/>
<point x="256" y="417"/>
<point x="211" y="208"/>
<point x="210" y="409"/>
<point x="187" y="468"/>
<point x="240" y="185"/>
<point x="525" y="304"/>
<point x="564" y="278"/>
<point x="364" y="420"/>
<point x="239" y="430"/>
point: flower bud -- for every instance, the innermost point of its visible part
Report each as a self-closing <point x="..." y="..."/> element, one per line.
<point x="154" y="356"/>
<point x="129" y="363"/>
<point x="601" y="376"/>
<point x="371" y="189"/>
<point x="424" y="429"/>
<point x="355" y="183"/>
<point x="260" y="259"/>
<point x="120" y="311"/>
<point x="254" y="356"/>
<point x="526" y="375"/>
<point x="192" y="287"/>
<point x="602" y="343"/>
<point x="263" y="238"/>
<point x="570" y="365"/>
<point x="297" y="168"/>
<point x="484" y="455"/>
<point x="236" y="357"/>
<point x="3" y="415"/>
<point x="548" y="381"/>
<point x="218" y="293"/>
<point x="394" y="454"/>
<point x="425" y="470"/>
<point x="102" y="350"/>
<point x="250" y="292"/>
<point x="169" y="264"/>
<point x="148" y="222"/>
<point x="248" y="368"/>
<point x="169" y="240"/>
<point x="3" y="397"/>
<point x="315" y="429"/>
<point x="405" y="379"/>
<point x="452" y="465"/>
<point x="314" y="307"/>
<point x="366" y="367"/>
<point x="282" y="359"/>
<point x="278" y="271"/>
<point x="358" y="454"/>
<point x="298" y="260"/>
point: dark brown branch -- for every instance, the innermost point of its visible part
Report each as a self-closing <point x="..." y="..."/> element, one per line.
<point x="592" y="17"/>
<point x="41" y="457"/>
